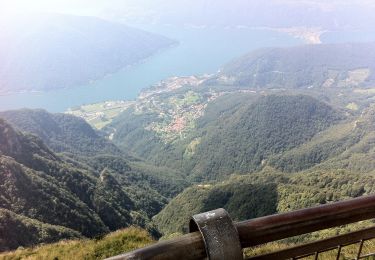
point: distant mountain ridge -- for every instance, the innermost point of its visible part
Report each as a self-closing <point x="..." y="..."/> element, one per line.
<point x="331" y="15"/>
<point x="51" y="51"/>
<point x="308" y="66"/>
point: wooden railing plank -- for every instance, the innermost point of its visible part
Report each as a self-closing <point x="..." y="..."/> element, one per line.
<point x="187" y="247"/>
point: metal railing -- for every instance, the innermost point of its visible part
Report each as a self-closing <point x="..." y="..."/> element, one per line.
<point x="336" y="243"/>
<point x="214" y="236"/>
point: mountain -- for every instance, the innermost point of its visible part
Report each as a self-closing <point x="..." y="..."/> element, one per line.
<point x="30" y="170"/>
<point x="308" y="66"/>
<point x="81" y="145"/>
<point x="71" y="198"/>
<point x="61" y="132"/>
<point x="50" y="51"/>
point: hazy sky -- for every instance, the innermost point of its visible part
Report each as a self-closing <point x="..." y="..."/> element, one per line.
<point x="250" y="12"/>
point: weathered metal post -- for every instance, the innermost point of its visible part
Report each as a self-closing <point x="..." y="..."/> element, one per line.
<point x="219" y="234"/>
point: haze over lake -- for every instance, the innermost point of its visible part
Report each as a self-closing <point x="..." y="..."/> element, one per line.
<point x="200" y="50"/>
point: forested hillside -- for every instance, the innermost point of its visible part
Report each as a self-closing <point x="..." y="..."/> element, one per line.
<point x="242" y="141"/>
<point x="348" y="145"/>
<point x="54" y="197"/>
<point x="264" y="193"/>
<point x="235" y="133"/>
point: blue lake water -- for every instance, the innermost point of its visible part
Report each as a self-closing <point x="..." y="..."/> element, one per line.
<point x="200" y="51"/>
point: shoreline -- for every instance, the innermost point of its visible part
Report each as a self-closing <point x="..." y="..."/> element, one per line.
<point x="310" y="35"/>
<point x="22" y="96"/>
<point x="90" y="82"/>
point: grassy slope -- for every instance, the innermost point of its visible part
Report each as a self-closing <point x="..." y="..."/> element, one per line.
<point x="113" y="244"/>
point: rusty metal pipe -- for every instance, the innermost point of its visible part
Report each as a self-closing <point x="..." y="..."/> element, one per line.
<point x="265" y="229"/>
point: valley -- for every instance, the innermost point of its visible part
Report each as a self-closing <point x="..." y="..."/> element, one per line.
<point x="120" y="120"/>
<point x="287" y="140"/>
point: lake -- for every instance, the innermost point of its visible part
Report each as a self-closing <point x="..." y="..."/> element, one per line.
<point x="200" y="51"/>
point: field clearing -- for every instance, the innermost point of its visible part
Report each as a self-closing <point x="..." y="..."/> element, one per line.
<point x="99" y="115"/>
